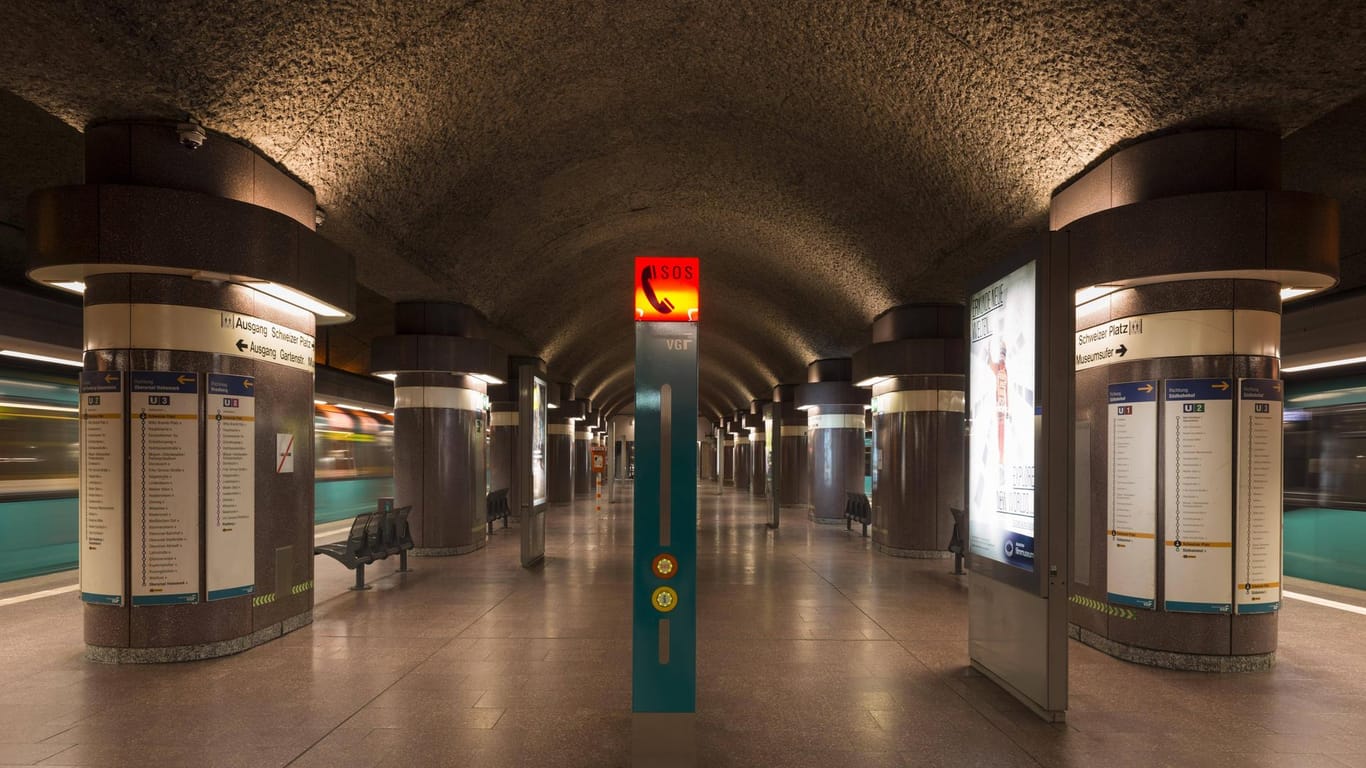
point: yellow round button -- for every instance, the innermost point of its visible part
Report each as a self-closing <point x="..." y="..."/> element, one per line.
<point x="664" y="599"/>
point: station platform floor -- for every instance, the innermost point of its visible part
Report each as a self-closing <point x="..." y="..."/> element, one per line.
<point x="813" y="651"/>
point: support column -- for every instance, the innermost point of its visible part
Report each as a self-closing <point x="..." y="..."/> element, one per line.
<point x="757" y="456"/>
<point x="442" y="366"/>
<point x="835" y="420"/>
<point x="583" y="439"/>
<point x="560" y="445"/>
<point x="727" y="453"/>
<point x="742" y="451"/>
<point x="915" y="370"/>
<point x="794" y="487"/>
<point x="202" y="274"/>
<point x="1180" y="248"/>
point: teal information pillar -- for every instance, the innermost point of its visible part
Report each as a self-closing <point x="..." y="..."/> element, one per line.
<point x="664" y="573"/>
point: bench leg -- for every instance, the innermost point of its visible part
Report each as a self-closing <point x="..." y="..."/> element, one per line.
<point x="865" y="530"/>
<point x="403" y="561"/>
<point x="957" y="563"/>
<point x="360" y="579"/>
<point x="505" y="520"/>
<point x="490" y="527"/>
<point x="848" y="523"/>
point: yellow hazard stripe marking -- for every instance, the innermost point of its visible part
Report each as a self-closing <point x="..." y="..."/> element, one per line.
<point x="1118" y="612"/>
<point x="301" y="588"/>
<point x="260" y="600"/>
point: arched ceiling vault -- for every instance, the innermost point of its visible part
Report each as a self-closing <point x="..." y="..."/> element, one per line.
<point x="825" y="160"/>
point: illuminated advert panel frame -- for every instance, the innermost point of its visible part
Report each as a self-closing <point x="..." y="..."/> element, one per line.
<point x="1007" y="443"/>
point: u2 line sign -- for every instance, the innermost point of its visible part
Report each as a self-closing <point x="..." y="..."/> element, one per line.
<point x="1179" y="334"/>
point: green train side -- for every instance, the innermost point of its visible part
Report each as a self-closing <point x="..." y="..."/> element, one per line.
<point x="39" y="455"/>
<point x="1325" y="481"/>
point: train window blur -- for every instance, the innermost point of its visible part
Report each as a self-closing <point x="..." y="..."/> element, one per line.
<point x="39" y="435"/>
<point x="352" y="443"/>
<point x="1325" y="457"/>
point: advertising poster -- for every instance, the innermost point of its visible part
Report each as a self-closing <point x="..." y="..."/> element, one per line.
<point x="1131" y="522"/>
<point x="1001" y="441"/>
<point x="230" y="482"/>
<point x="538" y="437"/>
<point x="1197" y="465"/>
<point x="1257" y="558"/>
<point x="101" y="494"/>
<point x="164" y="475"/>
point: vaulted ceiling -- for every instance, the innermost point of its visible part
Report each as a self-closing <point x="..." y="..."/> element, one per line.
<point x="826" y="160"/>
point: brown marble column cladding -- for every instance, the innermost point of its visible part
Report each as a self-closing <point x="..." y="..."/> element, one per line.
<point x="560" y="446"/>
<point x="758" y="449"/>
<point x="439" y="460"/>
<point x="835" y="421"/>
<point x="174" y="249"/>
<point x="742" y="450"/>
<point x="914" y="367"/>
<point x="794" y="486"/>
<point x="502" y="456"/>
<point x="1194" y="224"/>
<point x="583" y="440"/>
<point x="443" y="365"/>
<point x="727" y="454"/>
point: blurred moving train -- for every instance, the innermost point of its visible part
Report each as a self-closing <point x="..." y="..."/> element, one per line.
<point x="1325" y="480"/>
<point x="40" y="454"/>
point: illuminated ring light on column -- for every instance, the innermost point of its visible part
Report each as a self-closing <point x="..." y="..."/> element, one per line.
<point x="664" y="599"/>
<point x="665" y="566"/>
<point x="236" y="218"/>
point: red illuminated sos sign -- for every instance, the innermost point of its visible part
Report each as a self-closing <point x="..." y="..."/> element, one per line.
<point x="666" y="289"/>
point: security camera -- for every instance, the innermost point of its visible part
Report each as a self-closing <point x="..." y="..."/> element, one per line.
<point x="192" y="136"/>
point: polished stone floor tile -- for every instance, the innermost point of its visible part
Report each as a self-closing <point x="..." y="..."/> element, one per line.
<point x="813" y="650"/>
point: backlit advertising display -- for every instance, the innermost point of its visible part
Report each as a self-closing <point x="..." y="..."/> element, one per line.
<point x="538" y="437"/>
<point x="1001" y="401"/>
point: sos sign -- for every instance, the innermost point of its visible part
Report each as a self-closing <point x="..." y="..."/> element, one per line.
<point x="666" y="289"/>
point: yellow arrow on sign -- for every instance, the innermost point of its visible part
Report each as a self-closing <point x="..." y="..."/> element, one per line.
<point x="183" y="379"/>
<point x="110" y="378"/>
<point x="248" y="384"/>
<point x="1146" y="388"/>
<point x="1220" y="385"/>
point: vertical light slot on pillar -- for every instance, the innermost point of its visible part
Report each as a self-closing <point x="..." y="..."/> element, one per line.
<point x="666" y="407"/>
<point x="663" y="641"/>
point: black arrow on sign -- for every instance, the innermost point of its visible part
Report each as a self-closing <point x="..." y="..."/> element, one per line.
<point x="1121" y="350"/>
<point x="241" y="346"/>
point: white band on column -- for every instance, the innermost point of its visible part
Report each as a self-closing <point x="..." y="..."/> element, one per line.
<point x="438" y="397"/>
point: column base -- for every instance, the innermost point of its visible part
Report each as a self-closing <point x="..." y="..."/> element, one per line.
<point x="914" y="554"/>
<point x="1186" y="662"/>
<point x="447" y="551"/>
<point x="106" y="655"/>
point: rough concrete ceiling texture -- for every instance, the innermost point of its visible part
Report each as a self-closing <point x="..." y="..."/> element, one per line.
<point x="826" y="160"/>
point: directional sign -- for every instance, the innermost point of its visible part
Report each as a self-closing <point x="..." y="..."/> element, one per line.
<point x="1131" y="530"/>
<point x="230" y="486"/>
<point x="102" y="487"/>
<point x="1257" y="559"/>
<point x="1179" y="334"/>
<point x="164" y="493"/>
<point x="196" y="329"/>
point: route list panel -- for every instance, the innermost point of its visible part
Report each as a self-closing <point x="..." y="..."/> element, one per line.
<point x="230" y="485"/>
<point x="1198" y="496"/>
<point x="1131" y="527"/>
<point x="164" y="475"/>
<point x="1257" y="559"/>
<point x="101" y="489"/>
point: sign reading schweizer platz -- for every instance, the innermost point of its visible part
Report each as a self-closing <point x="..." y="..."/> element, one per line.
<point x="196" y="329"/>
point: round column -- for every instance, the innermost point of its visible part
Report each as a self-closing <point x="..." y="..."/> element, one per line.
<point x="1180" y="247"/>
<point x="758" y="457"/>
<point x="727" y="453"/>
<point x="583" y="439"/>
<point x="560" y="446"/>
<point x="442" y="366"/>
<point x="197" y="414"/>
<point x="915" y="370"/>
<point x="743" y="474"/>
<point x="835" y="421"/>
<point x="794" y="485"/>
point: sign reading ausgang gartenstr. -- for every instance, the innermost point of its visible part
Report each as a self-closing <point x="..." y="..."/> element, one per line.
<point x="196" y="329"/>
<point x="1178" y="334"/>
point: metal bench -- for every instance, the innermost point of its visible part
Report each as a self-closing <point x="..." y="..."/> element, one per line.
<point x="857" y="509"/>
<point x="373" y="536"/>
<point x="496" y="508"/>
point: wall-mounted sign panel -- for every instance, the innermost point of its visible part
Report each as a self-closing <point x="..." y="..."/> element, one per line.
<point x="1197" y="467"/>
<point x="1257" y="558"/>
<point x="164" y="475"/>
<point x="1131" y="532"/>
<point x="1189" y="333"/>
<point x="667" y="289"/>
<point x="196" y="329"/>
<point x="1001" y="442"/>
<point x="230" y="484"/>
<point x="102" y="486"/>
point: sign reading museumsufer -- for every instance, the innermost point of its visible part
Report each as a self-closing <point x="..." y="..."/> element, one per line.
<point x="1001" y="441"/>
